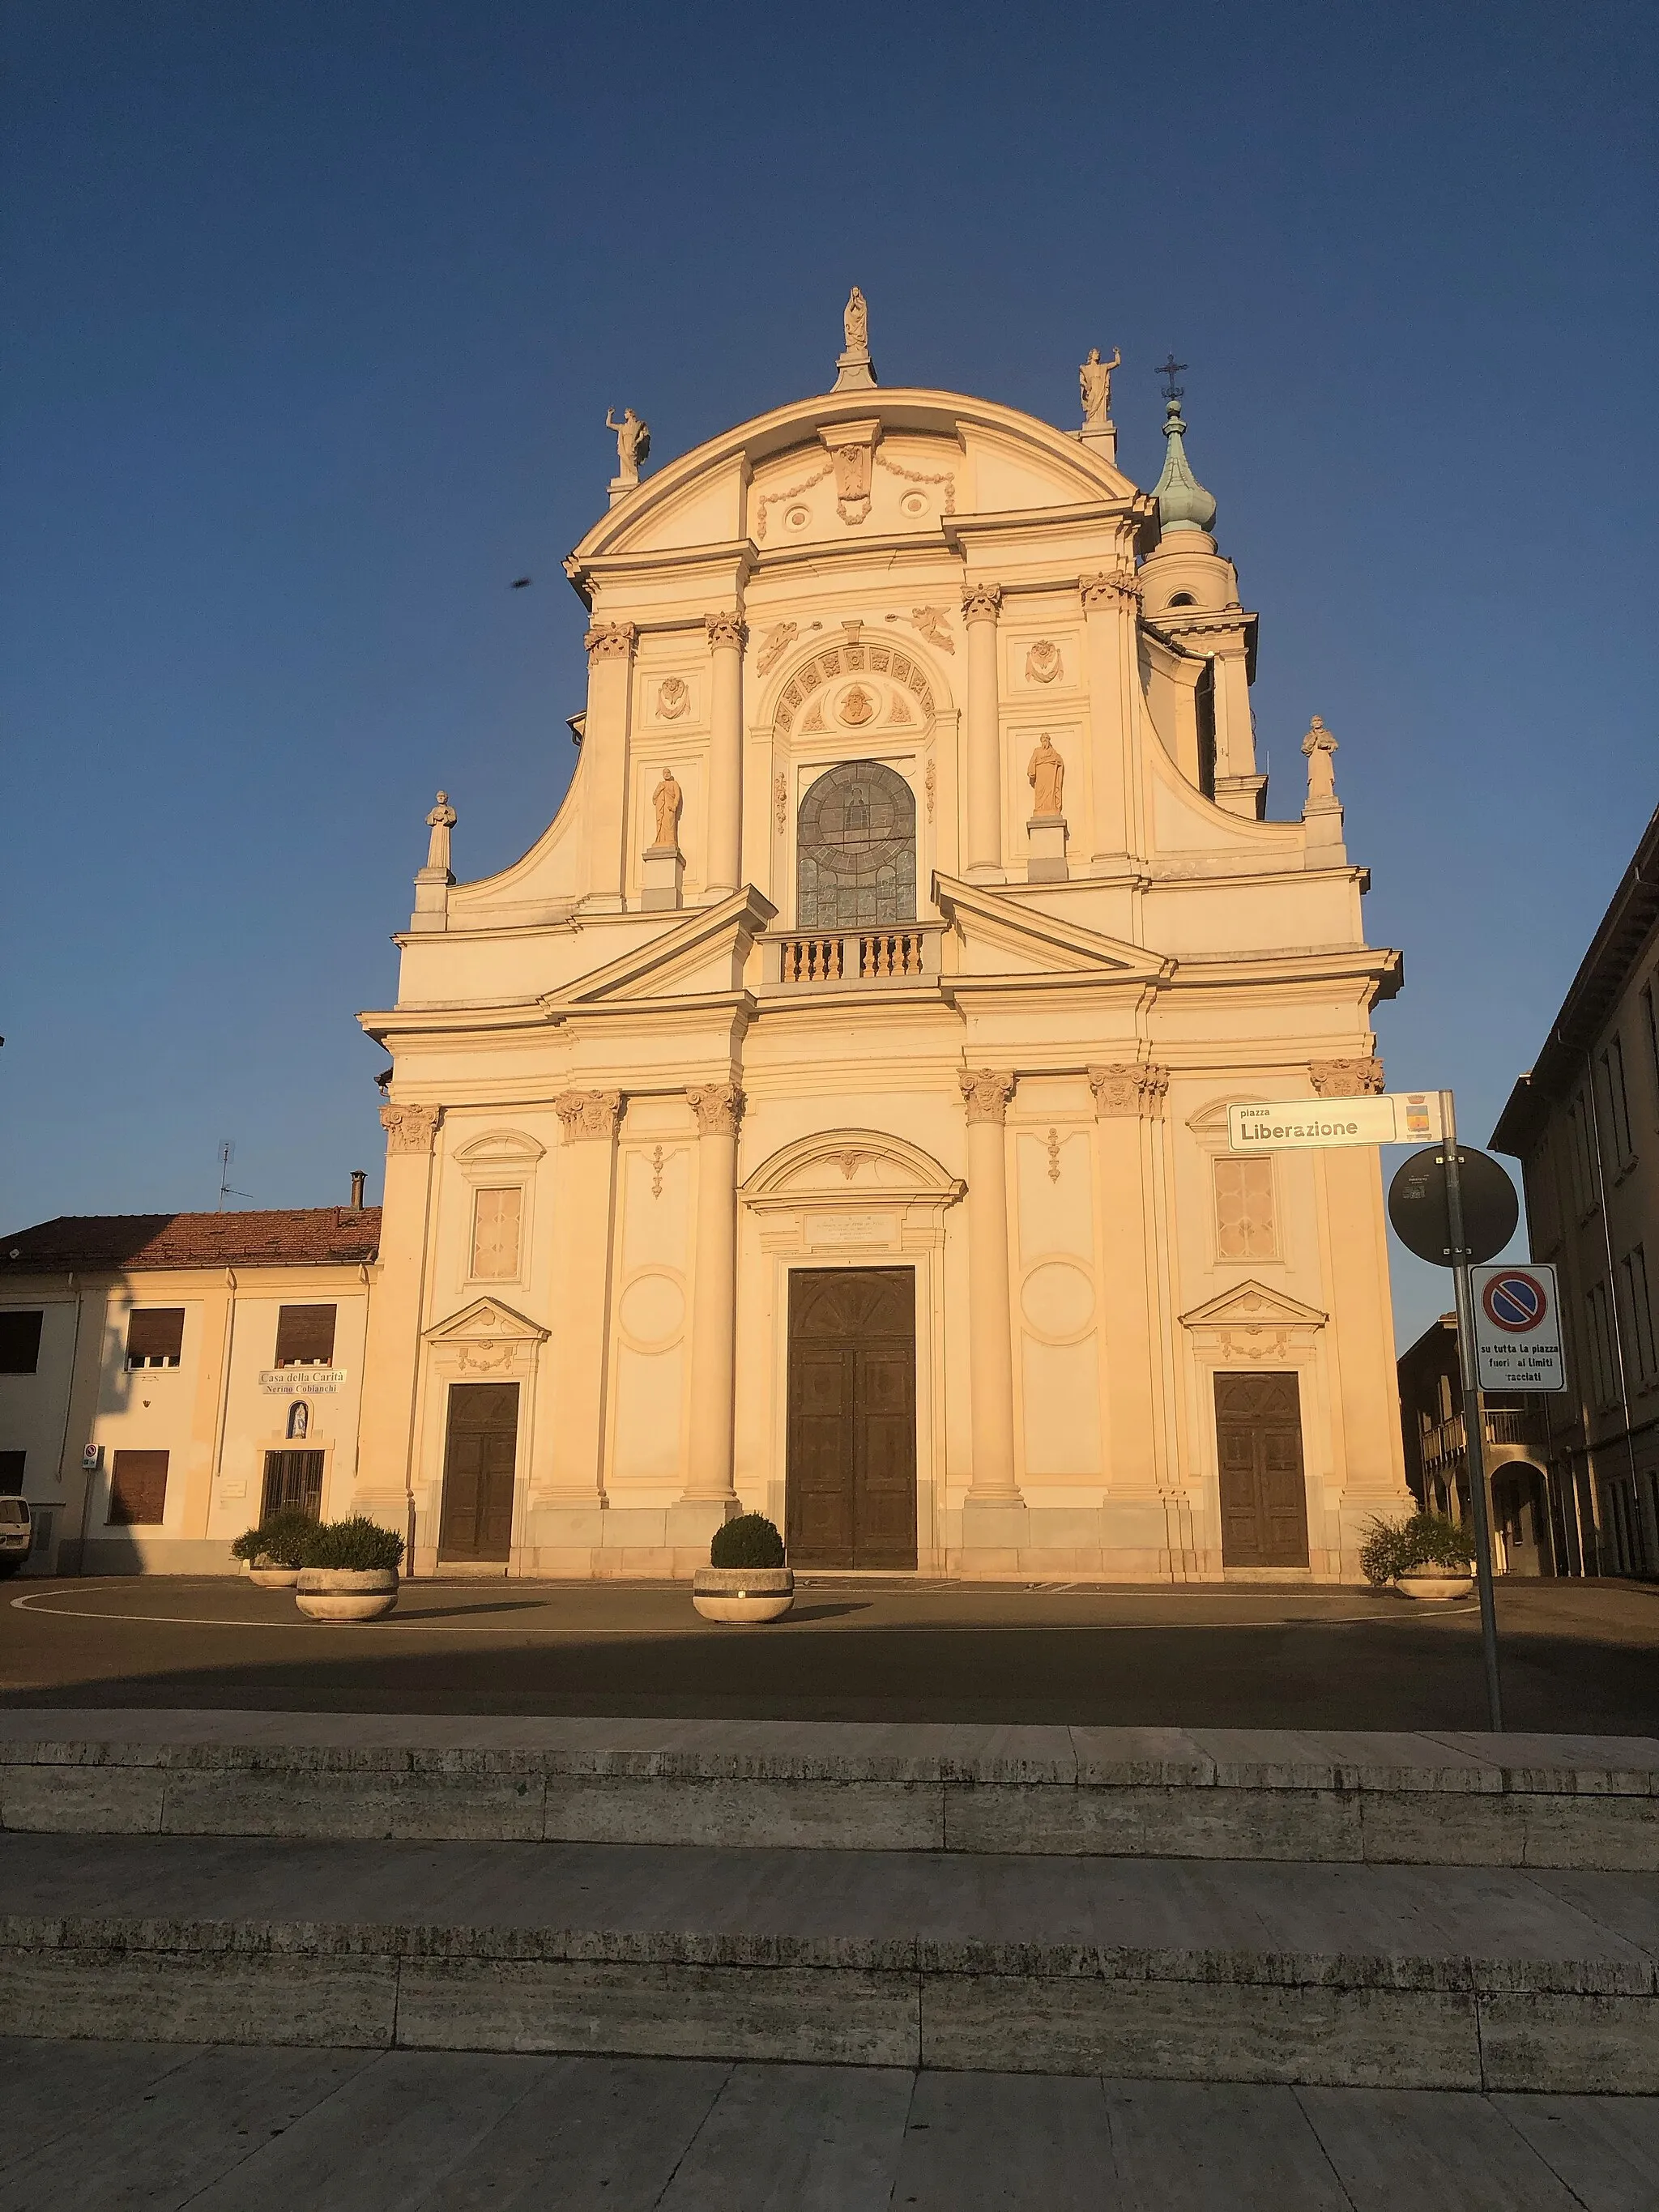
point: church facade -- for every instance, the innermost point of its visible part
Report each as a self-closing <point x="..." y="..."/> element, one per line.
<point x="827" y="1115"/>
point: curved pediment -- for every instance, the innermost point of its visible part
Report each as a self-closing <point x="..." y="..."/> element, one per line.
<point x="852" y="1168"/>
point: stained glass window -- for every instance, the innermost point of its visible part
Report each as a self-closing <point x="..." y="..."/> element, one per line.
<point x="856" y="859"/>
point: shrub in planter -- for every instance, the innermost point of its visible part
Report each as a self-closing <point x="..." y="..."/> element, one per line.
<point x="279" y="1539"/>
<point x="357" y="1545"/>
<point x="750" y="1541"/>
<point x="1393" y="1548"/>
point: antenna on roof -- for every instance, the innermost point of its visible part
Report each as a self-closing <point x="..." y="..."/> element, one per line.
<point x="227" y="1154"/>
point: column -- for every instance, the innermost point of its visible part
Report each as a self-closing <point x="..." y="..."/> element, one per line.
<point x="1109" y="608"/>
<point x="725" y="841"/>
<point x="581" y="1271"/>
<point x="604" y="760"/>
<point x="396" y="1314"/>
<point x="1127" y="1098"/>
<point x="982" y="857"/>
<point x="985" y="1093"/>
<point x="719" y="1107"/>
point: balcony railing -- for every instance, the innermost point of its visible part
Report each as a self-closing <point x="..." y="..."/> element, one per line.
<point x="846" y="959"/>
<point x="1504" y="1424"/>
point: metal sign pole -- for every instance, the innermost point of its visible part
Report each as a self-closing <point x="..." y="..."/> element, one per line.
<point x="1474" y="1422"/>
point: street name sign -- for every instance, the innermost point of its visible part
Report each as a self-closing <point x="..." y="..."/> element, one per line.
<point x="1517" y="1327"/>
<point x="1397" y="1117"/>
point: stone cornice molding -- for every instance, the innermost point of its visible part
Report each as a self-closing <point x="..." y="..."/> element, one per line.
<point x="411" y="1128"/>
<point x="1137" y="1087"/>
<point x="980" y="602"/>
<point x="985" y="1093"/>
<point x="1346" y="1079"/>
<point x="588" y="1112"/>
<point x="1120" y="588"/>
<point x="726" y="629"/>
<point x="610" y="640"/>
<point x="718" y="1107"/>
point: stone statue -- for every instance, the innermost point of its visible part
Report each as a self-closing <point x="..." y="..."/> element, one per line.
<point x="667" y="799"/>
<point x="1318" y="746"/>
<point x="633" y="444"/>
<point x="440" y="822"/>
<point x="1046" y="773"/>
<point x="856" y="322"/>
<point x="1095" y="380"/>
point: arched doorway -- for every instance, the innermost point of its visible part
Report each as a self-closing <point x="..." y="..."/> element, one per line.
<point x="856" y="854"/>
<point x="1519" y="1512"/>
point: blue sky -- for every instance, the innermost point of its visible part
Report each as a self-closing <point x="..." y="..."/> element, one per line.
<point x="314" y="311"/>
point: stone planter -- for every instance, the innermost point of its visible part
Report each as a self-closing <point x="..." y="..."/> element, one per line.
<point x="743" y="1594"/>
<point x="264" y="1574"/>
<point x="346" y="1593"/>
<point x="1434" y="1583"/>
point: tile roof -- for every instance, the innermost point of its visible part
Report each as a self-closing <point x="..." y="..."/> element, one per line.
<point x="296" y="1237"/>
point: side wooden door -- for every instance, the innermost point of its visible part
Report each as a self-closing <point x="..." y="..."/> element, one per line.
<point x="480" y="1460"/>
<point x="1264" y="1500"/>
<point x="851" y="1476"/>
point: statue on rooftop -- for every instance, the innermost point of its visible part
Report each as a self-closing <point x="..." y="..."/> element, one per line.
<point x="441" y="821"/>
<point x="856" y="322"/>
<point x="1095" y="381"/>
<point x="633" y="444"/>
<point x="1318" y="746"/>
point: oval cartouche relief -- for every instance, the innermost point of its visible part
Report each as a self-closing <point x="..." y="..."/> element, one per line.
<point x="651" y="1311"/>
<point x="1058" y="1301"/>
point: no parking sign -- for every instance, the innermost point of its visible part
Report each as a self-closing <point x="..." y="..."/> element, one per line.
<point x="1517" y="1327"/>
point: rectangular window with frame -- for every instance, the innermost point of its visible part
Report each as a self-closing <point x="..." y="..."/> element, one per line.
<point x="20" y="1341"/>
<point x="155" y="1336"/>
<point x="1578" y="1148"/>
<point x="497" y="1218"/>
<point x="1543" y="1207"/>
<point x="1600" y="1344"/>
<point x="1651" y="1024"/>
<point x="11" y="1474"/>
<point x="1244" y="1225"/>
<point x="1634" y="1269"/>
<point x="304" y="1336"/>
<point x="138" y="1489"/>
<point x="1618" y="1102"/>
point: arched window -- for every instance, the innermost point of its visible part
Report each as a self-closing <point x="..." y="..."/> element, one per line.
<point x="856" y="863"/>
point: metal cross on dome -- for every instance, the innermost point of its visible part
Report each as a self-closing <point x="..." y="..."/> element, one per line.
<point x="1169" y="370"/>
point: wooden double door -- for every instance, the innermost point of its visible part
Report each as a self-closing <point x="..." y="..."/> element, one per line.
<point x="1264" y="1499"/>
<point x="852" y="1446"/>
<point x="481" y="1454"/>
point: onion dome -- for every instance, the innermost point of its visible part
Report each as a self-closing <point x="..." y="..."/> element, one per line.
<point x="1182" y="502"/>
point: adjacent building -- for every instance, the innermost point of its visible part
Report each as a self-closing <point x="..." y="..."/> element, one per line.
<point x="1531" y="1534"/>
<point x="1584" y="1122"/>
<point x="167" y="1379"/>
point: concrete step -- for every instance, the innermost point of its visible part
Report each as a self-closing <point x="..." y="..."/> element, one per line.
<point x="1430" y="1799"/>
<point x="1341" y="1975"/>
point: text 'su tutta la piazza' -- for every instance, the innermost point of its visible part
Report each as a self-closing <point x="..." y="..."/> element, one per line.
<point x="827" y="1115"/>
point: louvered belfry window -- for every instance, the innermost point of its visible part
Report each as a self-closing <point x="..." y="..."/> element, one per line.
<point x="304" y="1336"/>
<point x="856" y="854"/>
<point x="155" y="1336"/>
<point x="1244" y="1224"/>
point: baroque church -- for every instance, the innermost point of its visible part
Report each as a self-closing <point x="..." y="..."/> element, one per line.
<point x="827" y="1116"/>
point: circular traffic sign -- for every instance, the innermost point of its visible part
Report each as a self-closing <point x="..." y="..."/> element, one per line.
<point x="1417" y="1205"/>
<point x="1515" y="1300"/>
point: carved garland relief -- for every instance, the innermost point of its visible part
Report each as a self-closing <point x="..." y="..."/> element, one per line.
<point x="673" y="697"/>
<point x="1043" y="662"/>
<point x="1346" y="1079"/>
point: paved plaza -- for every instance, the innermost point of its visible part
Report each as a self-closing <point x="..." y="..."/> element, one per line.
<point x="1577" y="1656"/>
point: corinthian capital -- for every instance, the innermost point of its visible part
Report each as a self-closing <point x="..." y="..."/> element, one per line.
<point x="588" y="1112"/>
<point x="718" y="1107"/>
<point x="1136" y="1088"/>
<point x="985" y="1093"/>
<point x="1121" y="588"/>
<point x="1346" y="1079"/>
<point x="411" y="1128"/>
<point x="725" y="629"/>
<point x="610" y="640"/>
<point x="980" y="602"/>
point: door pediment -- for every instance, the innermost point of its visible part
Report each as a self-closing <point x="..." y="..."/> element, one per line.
<point x="1252" y="1305"/>
<point x="486" y="1320"/>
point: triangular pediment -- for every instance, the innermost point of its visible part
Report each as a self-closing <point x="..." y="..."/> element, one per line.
<point x="1252" y="1305"/>
<point x="486" y="1320"/>
<point x="705" y="951"/>
<point x="1022" y="939"/>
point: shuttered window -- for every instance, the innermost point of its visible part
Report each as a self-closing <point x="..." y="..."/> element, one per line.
<point x="496" y="1216"/>
<point x="304" y="1336"/>
<point x="155" y="1336"/>
<point x="1244" y="1224"/>
<point x="138" y="1489"/>
<point x="19" y="1342"/>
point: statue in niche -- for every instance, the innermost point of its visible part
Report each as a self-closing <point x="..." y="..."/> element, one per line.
<point x="440" y="822"/>
<point x="667" y="799"/>
<point x="632" y="443"/>
<point x="299" y="1420"/>
<point x="1046" y="773"/>
<point x="1095" y="380"/>
<point x="1318" y="746"/>
<point x="856" y="322"/>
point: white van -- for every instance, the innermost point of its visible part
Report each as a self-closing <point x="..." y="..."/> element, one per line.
<point x="16" y="1533"/>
